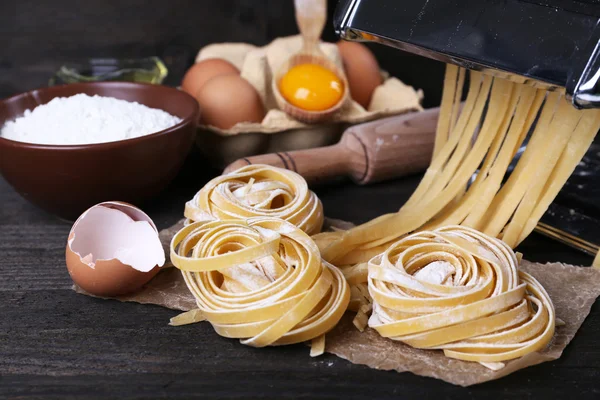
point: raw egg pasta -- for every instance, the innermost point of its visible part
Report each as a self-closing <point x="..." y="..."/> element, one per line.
<point x="438" y="274"/>
<point x="460" y="291"/>
<point x="260" y="280"/>
<point x="258" y="190"/>
<point x="468" y="181"/>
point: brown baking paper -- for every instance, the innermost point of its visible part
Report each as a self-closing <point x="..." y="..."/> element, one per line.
<point x="259" y="64"/>
<point x="572" y="289"/>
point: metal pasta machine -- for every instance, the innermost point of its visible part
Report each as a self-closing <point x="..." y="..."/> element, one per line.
<point x="545" y="43"/>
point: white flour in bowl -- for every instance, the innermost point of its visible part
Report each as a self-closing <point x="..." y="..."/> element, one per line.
<point x="83" y="119"/>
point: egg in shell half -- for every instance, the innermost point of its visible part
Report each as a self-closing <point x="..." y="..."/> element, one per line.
<point x="113" y="248"/>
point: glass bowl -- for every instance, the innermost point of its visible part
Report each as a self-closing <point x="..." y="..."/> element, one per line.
<point x="142" y="70"/>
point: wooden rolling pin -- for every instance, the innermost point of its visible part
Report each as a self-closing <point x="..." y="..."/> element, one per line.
<point x="369" y="152"/>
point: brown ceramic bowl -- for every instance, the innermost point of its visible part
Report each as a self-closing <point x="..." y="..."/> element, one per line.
<point x="66" y="180"/>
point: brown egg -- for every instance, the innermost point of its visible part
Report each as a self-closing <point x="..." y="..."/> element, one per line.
<point x="362" y="71"/>
<point x="228" y="99"/>
<point x="203" y="71"/>
<point x="113" y="248"/>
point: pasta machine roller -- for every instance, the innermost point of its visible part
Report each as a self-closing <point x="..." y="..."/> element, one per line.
<point x="547" y="43"/>
<point x="550" y="44"/>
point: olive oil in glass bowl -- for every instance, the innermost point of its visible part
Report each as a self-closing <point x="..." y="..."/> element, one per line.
<point x="143" y="70"/>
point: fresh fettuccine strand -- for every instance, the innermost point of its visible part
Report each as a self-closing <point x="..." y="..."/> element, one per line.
<point x="258" y="190"/>
<point x="360" y="299"/>
<point x="260" y="280"/>
<point x="452" y="90"/>
<point x="474" y="151"/>
<point x="580" y="141"/>
<point x="460" y="291"/>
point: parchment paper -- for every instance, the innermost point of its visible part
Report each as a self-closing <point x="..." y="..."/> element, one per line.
<point x="572" y="289"/>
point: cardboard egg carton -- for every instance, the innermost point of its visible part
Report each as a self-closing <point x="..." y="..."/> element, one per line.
<point x="278" y="131"/>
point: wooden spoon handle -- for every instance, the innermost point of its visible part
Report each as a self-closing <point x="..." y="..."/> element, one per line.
<point x="310" y="17"/>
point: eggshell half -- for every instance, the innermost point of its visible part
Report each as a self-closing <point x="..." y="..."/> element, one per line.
<point x="113" y="248"/>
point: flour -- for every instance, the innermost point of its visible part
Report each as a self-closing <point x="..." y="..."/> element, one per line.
<point x="83" y="119"/>
<point x="437" y="272"/>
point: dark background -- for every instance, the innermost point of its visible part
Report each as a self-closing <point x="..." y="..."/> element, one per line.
<point x="36" y="36"/>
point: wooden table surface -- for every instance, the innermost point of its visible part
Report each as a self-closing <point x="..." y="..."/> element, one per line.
<point x="55" y="343"/>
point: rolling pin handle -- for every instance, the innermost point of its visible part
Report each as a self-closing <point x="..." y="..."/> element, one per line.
<point x="370" y="152"/>
<point x="242" y="162"/>
<point x="315" y="165"/>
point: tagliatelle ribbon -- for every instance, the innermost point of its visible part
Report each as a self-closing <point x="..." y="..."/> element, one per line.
<point x="451" y="284"/>
<point x="468" y="181"/>
<point x="459" y="290"/>
<point x="258" y="190"/>
<point x="261" y="280"/>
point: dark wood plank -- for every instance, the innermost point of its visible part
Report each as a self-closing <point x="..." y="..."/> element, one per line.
<point x="55" y="343"/>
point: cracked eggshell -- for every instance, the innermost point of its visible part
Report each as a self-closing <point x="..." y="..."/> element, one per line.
<point x="113" y="248"/>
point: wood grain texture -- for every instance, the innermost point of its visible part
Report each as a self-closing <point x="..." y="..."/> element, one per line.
<point x="57" y="344"/>
<point x="393" y="147"/>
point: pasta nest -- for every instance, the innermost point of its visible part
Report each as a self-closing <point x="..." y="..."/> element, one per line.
<point x="255" y="191"/>
<point x="261" y="280"/>
<point x="460" y="291"/>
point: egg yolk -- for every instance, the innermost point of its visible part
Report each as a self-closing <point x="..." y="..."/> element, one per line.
<point x="311" y="87"/>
